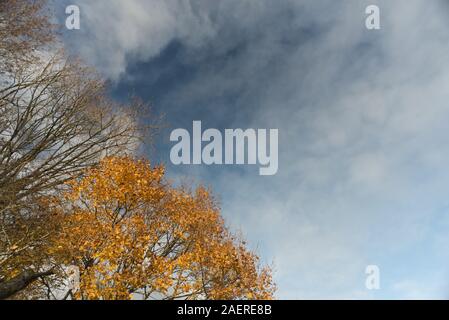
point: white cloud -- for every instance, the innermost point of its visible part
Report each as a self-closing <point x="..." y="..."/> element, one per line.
<point x="362" y="117"/>
<point x="141" y="29"/>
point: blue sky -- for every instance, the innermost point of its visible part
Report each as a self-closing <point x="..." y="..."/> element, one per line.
<point x="362" y="116"/>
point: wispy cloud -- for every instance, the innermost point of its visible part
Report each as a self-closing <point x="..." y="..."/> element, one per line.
<point x="362" y="118"/>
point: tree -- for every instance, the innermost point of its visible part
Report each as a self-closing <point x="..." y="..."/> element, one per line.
<point x="25" y="28"/>
<point x="117" y="219"/>
<point x="132" y="234"/>
<point x="55" y="121"/>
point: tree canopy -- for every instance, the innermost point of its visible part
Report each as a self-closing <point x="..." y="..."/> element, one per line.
<point x="73" y="193"/>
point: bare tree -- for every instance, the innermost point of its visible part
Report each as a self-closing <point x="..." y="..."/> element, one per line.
<point x="25" y="28"/>
<point x="55" y="122"/>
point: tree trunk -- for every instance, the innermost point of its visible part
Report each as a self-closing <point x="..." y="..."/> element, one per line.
<point x="10" y="287"/>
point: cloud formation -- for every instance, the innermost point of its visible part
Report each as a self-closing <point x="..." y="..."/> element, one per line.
<point x="362" y="118"/>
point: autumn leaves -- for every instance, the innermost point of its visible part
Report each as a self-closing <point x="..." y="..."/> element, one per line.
<point x="73" y="194"/>
<point x="133" y="235"/>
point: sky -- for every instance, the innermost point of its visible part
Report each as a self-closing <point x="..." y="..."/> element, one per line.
<point x="362" y="116"/>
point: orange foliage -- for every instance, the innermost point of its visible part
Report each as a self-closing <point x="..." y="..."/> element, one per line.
<point x="134" y="235"/>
